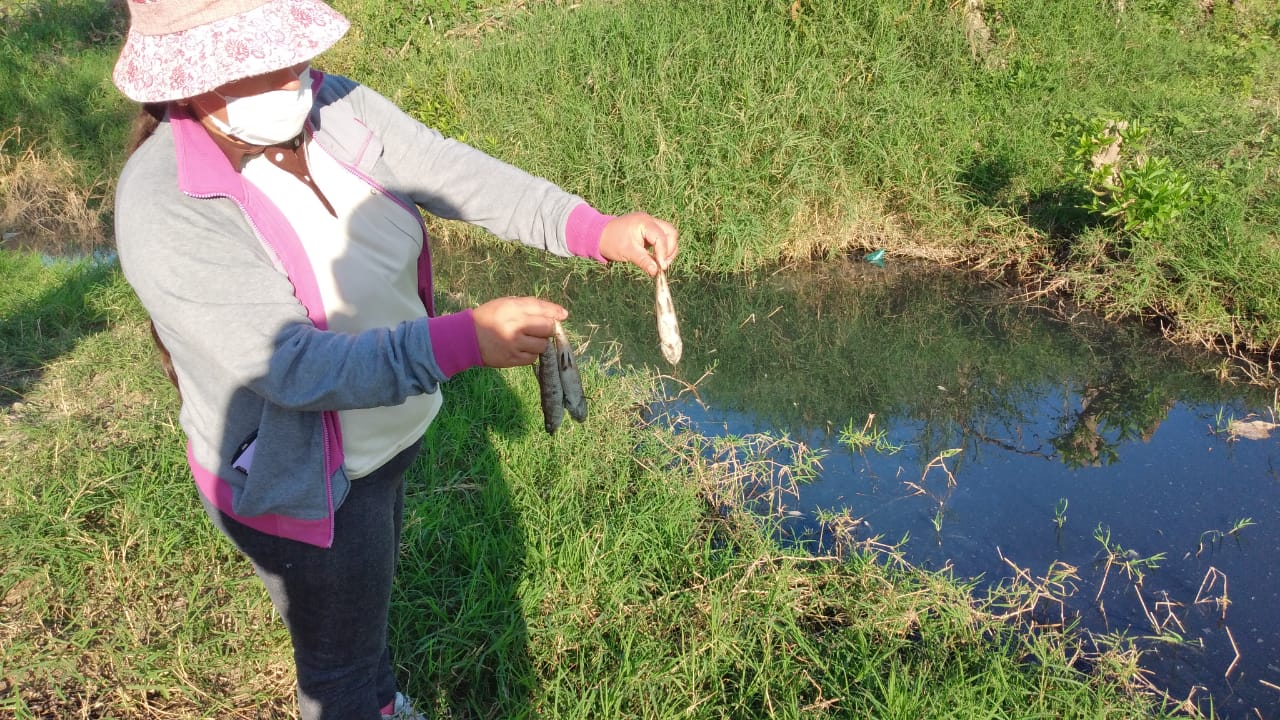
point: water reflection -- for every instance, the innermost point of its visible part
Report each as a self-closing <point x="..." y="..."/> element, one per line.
<point x="1010" y="437"/>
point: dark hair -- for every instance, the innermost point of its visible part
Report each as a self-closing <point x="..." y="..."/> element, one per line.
<point x="144" y="124"/>
<point x="166" y="362"/>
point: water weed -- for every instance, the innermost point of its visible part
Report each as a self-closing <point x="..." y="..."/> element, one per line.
<point x="869" y="437"/>
<point x="1060" y="513"/>
<point x="1212" y="539"/>
<point x="1129" y="561"/>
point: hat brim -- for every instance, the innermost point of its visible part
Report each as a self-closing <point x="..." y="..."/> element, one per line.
<point x="275" y="35"/>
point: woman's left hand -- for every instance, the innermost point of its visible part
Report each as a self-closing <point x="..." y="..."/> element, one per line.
<point x="628" y="238"/>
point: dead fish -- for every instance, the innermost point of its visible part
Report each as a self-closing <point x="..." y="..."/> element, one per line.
<point x="575" y="400"/>
<point x="559" y="382"/>
<point x="548" y="373"/>
<point x="668" y="327"/>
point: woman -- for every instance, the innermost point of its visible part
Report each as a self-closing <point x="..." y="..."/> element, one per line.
<point x="268" y="220"/>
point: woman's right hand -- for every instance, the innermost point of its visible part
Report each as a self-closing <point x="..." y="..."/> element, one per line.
<point x="513" y="331"/>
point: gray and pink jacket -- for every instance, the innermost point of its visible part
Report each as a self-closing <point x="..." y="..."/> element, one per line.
<point x="232" y="295"/>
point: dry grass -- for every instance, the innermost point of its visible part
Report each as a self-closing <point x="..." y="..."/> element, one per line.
<point x="43" y="206"/>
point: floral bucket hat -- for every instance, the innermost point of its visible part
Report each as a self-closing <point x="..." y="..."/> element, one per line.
<point x="178" y="49"/>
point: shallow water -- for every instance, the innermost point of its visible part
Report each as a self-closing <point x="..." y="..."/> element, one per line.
<point x="1012" y="436"/>
<point x="1178" y="493"/>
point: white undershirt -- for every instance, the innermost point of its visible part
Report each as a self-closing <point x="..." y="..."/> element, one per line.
<point x="366" y="265"/>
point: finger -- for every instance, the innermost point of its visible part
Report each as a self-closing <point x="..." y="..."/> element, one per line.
<point x="637" y="253"/>
<point x="665" y="242"/>
<point x="662" y="236"/>
<point x="545" y="309"/>
<point x="531" y="344"/>
<point x="538" y="326"/>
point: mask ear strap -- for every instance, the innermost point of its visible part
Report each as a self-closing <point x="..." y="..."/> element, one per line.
<point x="197" y="109"/>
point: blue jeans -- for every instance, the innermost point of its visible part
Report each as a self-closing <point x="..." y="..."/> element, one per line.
<point x="335" y="601"/>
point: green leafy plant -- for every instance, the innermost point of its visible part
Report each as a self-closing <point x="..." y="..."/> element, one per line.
<point x="1136" y="192"/>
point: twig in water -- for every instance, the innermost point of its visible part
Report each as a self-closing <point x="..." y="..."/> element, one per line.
<point x="918" y="490"/>
<point x="939" y="461"/>
<point x="1106" y="572"/>
<point x="1150" y="618"/>
<point x="1236" y="661"/>
<point x="689" y="387"/>
<point x="1210" y="579"/>
<point x="1027" y="591"/>
<point x="1169" y="605"/>
<point x="1188" y="706"/>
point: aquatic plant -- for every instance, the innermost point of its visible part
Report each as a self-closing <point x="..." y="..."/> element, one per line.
<point x="876" y="438"/>
<point x="1213" y="538"/>
<point x="1128" y="560"/>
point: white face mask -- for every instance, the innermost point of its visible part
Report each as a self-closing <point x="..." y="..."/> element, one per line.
<point x="268" y="118"/>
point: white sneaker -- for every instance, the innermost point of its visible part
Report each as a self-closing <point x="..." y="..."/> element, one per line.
<point x="402" y="709"/>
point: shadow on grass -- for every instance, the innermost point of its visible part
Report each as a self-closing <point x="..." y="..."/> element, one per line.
<point x="1059" y="212"/>
<point x="987" y="178"/>
<point x="40" y="330"/>
<point x="458" y="632"/>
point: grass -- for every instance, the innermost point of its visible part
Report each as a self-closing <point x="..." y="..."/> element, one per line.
<point x="44" y="311"/>
<point x="774" y="132"/>
<point x="44" y="206"/>
<point x="55" y="81"/>
<point x="779" y="130"/>
<point x="582" y="575"/>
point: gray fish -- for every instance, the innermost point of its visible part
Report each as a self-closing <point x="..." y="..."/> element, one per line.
<point x="668" y="327"/>
<point x="575" y="400"/>
<point x="548" y="373"/>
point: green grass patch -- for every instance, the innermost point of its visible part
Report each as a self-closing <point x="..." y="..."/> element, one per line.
<point x="56" y="58"/>
<point x="779" y="130"/>
<point x="116" y="592"/>
<point x="591" y="574"/>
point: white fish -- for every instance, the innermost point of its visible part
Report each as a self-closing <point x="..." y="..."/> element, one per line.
<point x="668" y="327"/>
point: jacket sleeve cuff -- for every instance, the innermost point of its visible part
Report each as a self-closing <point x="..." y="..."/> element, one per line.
<point x="454" y="343"/>
<point x="583" y="229"/>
